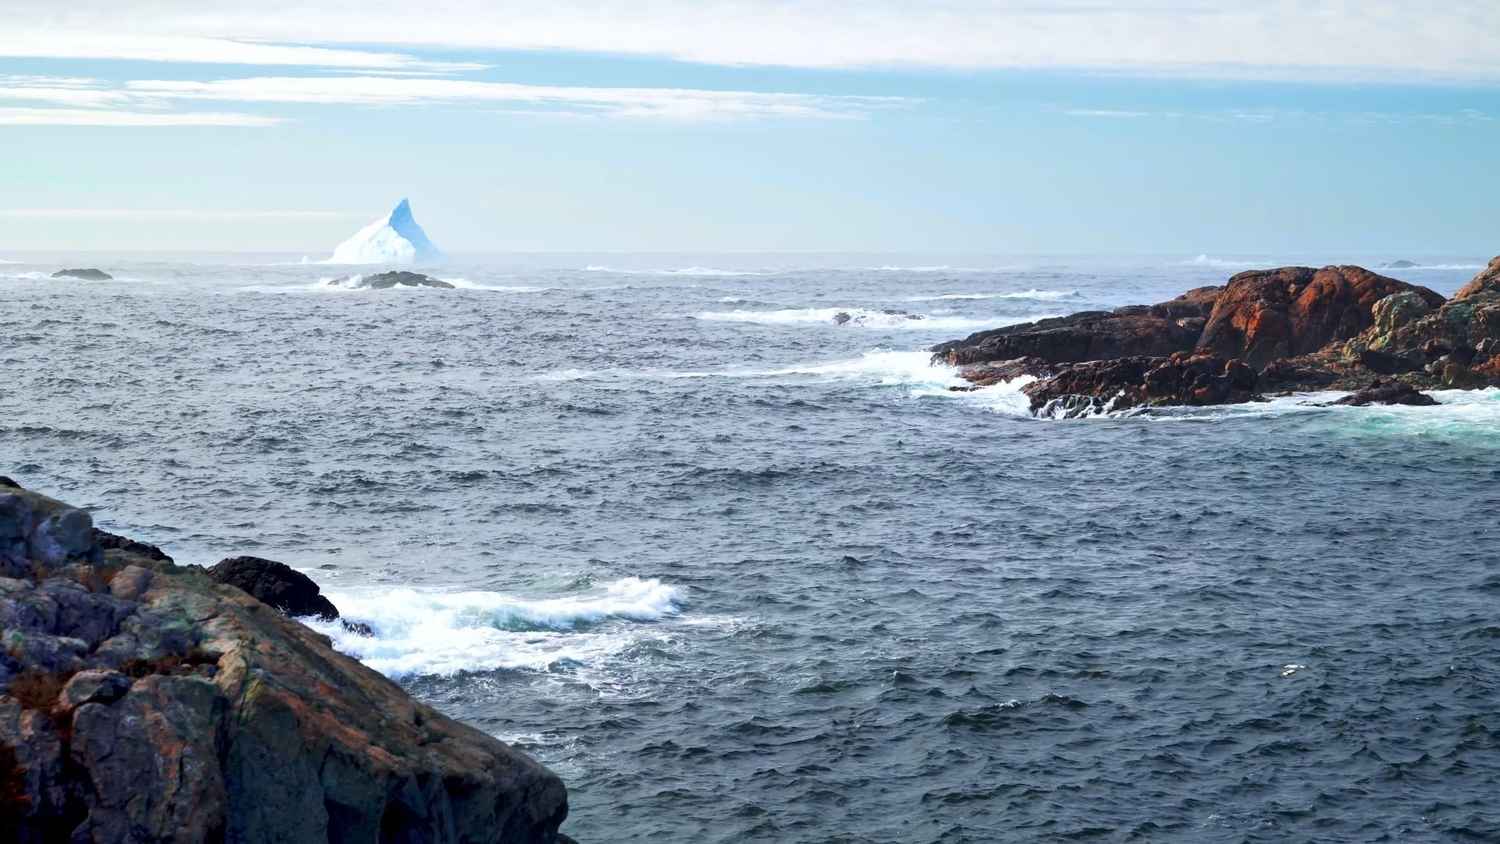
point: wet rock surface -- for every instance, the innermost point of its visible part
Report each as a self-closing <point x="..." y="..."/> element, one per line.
<point x="385" y="281"/>
<point x="89" y="274"/>
<point x="144" y="701"/>
<point x="275" y="584"/>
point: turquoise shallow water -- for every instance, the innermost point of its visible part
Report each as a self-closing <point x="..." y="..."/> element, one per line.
<point x="739" y="573"/>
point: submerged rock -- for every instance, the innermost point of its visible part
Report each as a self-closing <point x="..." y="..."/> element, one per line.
<point x="277" y="585"/>
<point x="143" y="701"/>
<point x="85" y="274"/>
<point x="385" y="281"/>
<point x="1388" y="392"/>
<point x="846" y="318"/>
<point x="1402" y="264"/>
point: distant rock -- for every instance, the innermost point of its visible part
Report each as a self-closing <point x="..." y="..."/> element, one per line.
<point x="846" y="318"/>
<point x="144" y="701"/>
<point x="1399" y="265"/>
<point x="1388" y="392"/>
<point x="385" y="281"/>
<point x="1263" y="315"/>
<point x="393" y="239"/>
<point x="277" y="585"/>
<point x="85" y="274"/>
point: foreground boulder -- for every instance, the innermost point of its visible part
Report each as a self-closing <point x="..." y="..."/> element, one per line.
<point x="385" y="281"/>
<point x="144" y="701"/>
<point x="85" y="274"/>
<point x="276" y="585"/>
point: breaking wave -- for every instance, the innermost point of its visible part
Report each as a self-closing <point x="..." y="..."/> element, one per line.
<point x="862" y="318"/>
<point x="425" y="633"/>
<point x="1033" y="294"/>
<point x="689" y="271"/>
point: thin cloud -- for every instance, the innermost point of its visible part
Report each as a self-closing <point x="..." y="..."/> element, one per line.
<point x="117" y="118"/>
<point x="173" y="214"/>
<point x="1323" y="40"/>
<point x="672" y="104"/>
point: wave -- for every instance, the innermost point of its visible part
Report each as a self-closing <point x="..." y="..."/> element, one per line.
<point x="862" y="318"/>
<point x="1420" y="267"/>
<point x="1232" y="264"/>
<point x="27" y="276"/>
<point x="423" y="633"/>
<point x="1034" y="294"/>
<point x="691" y="271"/>
<point x="352" y="283"/>
<point x="884" y="366"/>
<point x="941" y="268"/>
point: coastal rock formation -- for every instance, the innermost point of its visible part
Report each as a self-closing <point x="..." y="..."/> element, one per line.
<point x="1154" y="330"/>
<point x="85" y="274"/>
<point x="1264" y="315"/>
<point x="145" y="701"/>
<point x="1266" y="331"/>
<point x="1488" y="280"/>
<point x="387" y="280"/>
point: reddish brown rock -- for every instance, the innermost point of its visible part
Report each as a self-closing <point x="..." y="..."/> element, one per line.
<point x="1488" y="281"/>
<point x="1264" y="315"/>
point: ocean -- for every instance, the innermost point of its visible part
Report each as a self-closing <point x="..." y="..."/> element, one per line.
<point x="739" y="572"/>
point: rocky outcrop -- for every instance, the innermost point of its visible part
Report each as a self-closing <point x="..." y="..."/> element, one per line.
<point x="1272" y="331"/>
<point x="1084" y="389"/>
<point x="145" y="701"/>
<point x="385" y="281"/>
<point x="1137" y="330"/>
<point x="85" y="274"/>
<point x="1488" y="281"/>
<point x="1264" y="315"/>
<point x="276" y="585"/>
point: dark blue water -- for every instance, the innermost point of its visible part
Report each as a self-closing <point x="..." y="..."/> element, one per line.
<point x="738" y="573"/>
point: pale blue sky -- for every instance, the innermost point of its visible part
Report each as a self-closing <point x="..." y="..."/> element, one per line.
<point x="1210" y="126"/>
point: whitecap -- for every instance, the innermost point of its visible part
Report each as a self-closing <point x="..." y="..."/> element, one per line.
<point x="1038" y="295"/>
<point x="422" y="632"/>
<point x="862" y="318"/>
<point x="689" y="271"/>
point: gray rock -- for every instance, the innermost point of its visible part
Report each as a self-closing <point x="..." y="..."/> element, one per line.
<point x="94" y="686"/>
<point x="89" y="274"/>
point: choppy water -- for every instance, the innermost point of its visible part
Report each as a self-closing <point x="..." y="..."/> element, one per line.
<point x="740" y="574"/>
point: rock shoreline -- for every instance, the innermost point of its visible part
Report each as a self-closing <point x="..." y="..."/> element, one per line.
<point x="1265" y="332"/>
<point x="141" y="700"/>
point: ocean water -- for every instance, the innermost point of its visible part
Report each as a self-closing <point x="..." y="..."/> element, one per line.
<point x="738" y="573"/>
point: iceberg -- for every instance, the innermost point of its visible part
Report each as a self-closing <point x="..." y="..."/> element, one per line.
<point x="393" y="239"/>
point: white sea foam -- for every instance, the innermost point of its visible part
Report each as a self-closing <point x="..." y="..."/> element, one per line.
<point x="1232" y="264"/>
<point x="691" y="271"/>
<point x="879" y="366"/>
<point x="424" y="632"/>
<point x="861" y="318"/>
<point x="1038" y="295"/>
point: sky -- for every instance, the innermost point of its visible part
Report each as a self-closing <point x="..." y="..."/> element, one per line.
<point x="984" y="126"/>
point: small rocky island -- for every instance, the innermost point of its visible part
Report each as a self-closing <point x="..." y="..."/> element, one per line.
<point x="1264" y="332"/>
<point x="141" y="700"/>
<point x="89" y="274"/>
<point x="387" y="280"/>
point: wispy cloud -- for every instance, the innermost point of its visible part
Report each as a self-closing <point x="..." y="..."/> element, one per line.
<point x="126" y="118"/>
<point x="676" y="104"/>
<point x="173" y="214"/>
<point x="1318" y="39"/>
<point x="71" y="43"/>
